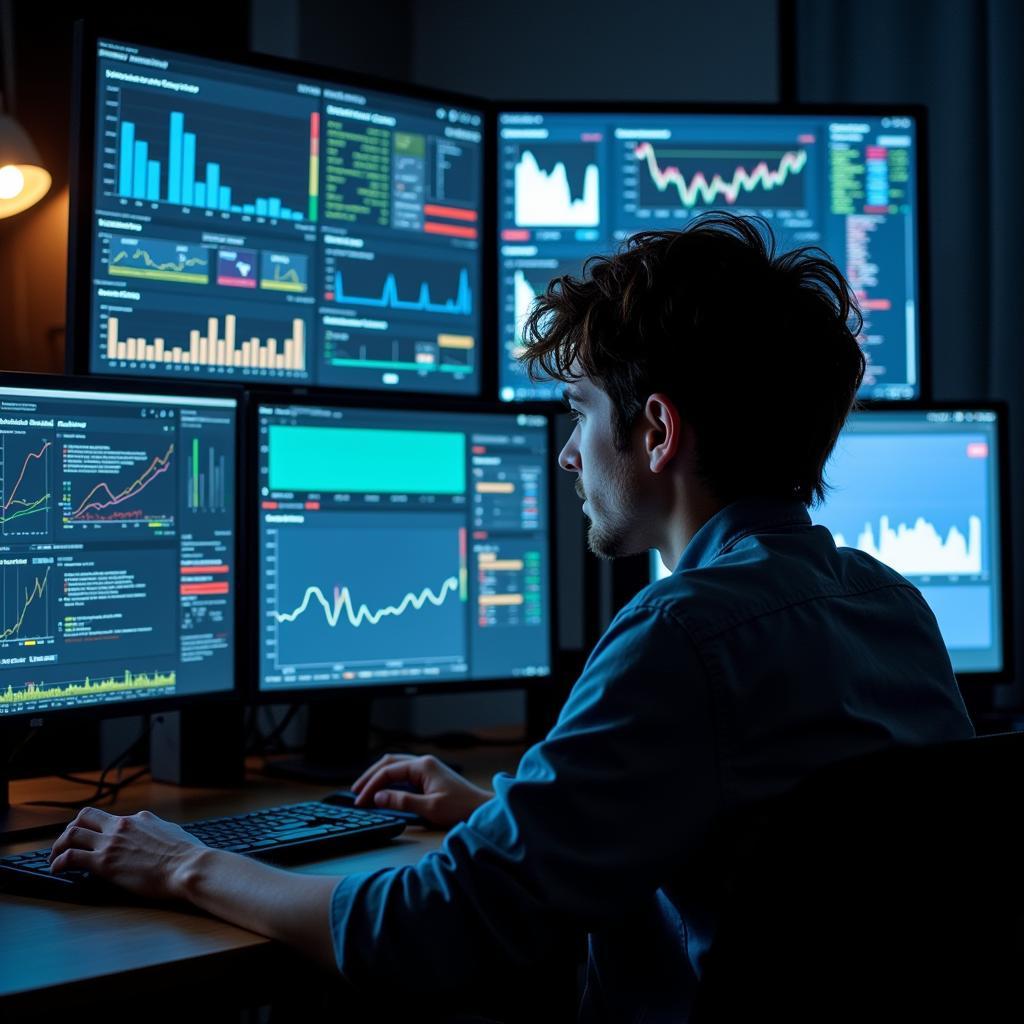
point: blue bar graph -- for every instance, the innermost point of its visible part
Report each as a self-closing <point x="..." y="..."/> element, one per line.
<point x="213" y="186"/>
<point x="124" y="162"/>
<point x="462" y="304"/>
<point x="141" y="169"/>
<point x="139" y="177"/>
<point x="153" y="181"/>
<point x="188" y="169"/>
<point x="176" y="145"/>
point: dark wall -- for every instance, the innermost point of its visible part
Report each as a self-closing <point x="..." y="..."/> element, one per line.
<point x="604" y="49"/>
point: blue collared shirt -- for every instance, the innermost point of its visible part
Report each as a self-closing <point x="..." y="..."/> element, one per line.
<point x="765" y="655"/>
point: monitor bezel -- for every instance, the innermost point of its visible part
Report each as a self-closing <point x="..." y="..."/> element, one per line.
<point x="667" y="108"/>
<point x="255" y="694"/>
<point x="88" y="32"/>
<point x="154" y="705"/>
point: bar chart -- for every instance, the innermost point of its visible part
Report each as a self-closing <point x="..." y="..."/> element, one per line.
<point x="212" y="345"/>
<point x="197" y="160"/>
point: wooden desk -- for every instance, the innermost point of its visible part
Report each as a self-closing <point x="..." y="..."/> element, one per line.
<point x="55" y="955"/>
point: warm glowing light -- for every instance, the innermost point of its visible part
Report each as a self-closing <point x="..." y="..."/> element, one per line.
<point x="21" y="186"/>
<point x="12" y="181"/>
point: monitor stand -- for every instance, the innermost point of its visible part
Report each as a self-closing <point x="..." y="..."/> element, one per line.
<point x="337" y="745"/>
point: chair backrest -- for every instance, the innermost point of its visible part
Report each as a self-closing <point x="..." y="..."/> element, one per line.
<point x="880" y="887"/>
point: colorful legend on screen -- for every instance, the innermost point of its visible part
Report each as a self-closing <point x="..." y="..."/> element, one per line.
<point x="256" y="226"/>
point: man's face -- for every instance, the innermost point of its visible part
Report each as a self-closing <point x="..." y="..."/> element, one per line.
<point x="608" y="480"/>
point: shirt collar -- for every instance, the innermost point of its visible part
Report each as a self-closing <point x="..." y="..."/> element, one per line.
<point x="731" y="524"/>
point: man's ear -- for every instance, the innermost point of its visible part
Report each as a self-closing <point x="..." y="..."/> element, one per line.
<point x="663" y="432"/>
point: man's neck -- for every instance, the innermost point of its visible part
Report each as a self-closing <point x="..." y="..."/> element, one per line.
<point x="692" y="514"/>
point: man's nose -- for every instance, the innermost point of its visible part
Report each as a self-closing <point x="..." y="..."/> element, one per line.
<point x="569" y="456"/>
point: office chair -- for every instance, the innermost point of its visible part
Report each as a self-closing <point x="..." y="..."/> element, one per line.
<point x="886" y="887"/>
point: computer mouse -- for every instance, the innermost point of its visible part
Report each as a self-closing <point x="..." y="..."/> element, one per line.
<point x="346" y="798"/>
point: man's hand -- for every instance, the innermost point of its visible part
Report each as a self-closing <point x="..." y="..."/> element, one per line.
<point x="141" y="852"/>
<point x="445" y="798"/>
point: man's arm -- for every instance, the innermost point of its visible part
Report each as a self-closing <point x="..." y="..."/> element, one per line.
<point x="156" y="858"/>
<point x="282" y="905"/>
<point x="598" y="816"/>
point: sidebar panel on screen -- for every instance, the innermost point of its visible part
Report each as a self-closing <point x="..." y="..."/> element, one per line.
<point x="116" y="547"/>
<point x="401" y="547"/>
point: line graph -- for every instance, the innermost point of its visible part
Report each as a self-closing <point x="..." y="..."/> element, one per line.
<point x="23" y="600"/>
<point x="718" y="176"/>
<point x="158" y="259"/>
<point x="284" y="272"/>
<point x="146" y="497"/>
<point x="356" y="593"/>
<point x="25" y="503"/>
<point x="389" y="298"/>
<point x="343" y="602"/>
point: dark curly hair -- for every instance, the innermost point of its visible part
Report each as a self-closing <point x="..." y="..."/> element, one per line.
<point x="757" y="350"/>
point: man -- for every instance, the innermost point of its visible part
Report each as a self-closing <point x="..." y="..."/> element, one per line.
<point x="709" y="379"/>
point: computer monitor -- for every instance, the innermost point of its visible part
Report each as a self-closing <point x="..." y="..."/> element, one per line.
<point x="574" y="182"/>
<point x="272" y="222"/>
<point x="924" y="490"/>
<point x="401" y="549"/>
<point x="117" y="545"/>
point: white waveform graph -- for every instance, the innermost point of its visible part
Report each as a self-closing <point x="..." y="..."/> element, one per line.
<point x="523" y="295"/>
<point x="920" y="550"/>
<point x="343" y="603"/>
<point x="544" y="199"/>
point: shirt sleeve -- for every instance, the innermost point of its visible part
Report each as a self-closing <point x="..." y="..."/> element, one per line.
<point x="598" y="815"/>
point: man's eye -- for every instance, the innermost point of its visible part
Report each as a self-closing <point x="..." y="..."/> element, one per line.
<point x="576" y="415"/>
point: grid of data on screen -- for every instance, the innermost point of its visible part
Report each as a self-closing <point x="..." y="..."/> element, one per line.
<point x="117" y="554"/>
<point x="263" y="227"/>
<point x="401" y="547"/>
<point x="576" y="184"/>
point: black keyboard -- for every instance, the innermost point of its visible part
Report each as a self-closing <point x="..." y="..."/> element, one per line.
<point x="293" y="832"/>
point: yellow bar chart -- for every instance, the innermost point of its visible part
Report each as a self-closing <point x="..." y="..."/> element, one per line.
<point x="213" y="347"/>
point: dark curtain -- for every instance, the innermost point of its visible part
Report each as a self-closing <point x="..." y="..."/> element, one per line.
<point x="964" y="60"/>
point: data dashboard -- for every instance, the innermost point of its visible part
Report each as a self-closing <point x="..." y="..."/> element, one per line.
<point x="255" y="226"/>
<point x="921" y="491"/>
<point x="117" y="547"/>
<point x="576" y="184"/>
<point x="401" y="546"/>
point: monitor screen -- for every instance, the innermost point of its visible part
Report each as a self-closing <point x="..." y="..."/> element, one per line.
<point x="920" y="490"/>
<point x="117" y="547"/>
<point x="249" y="225"/>
<point x="571" y="185"/>
<point x="401" y="547"/>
